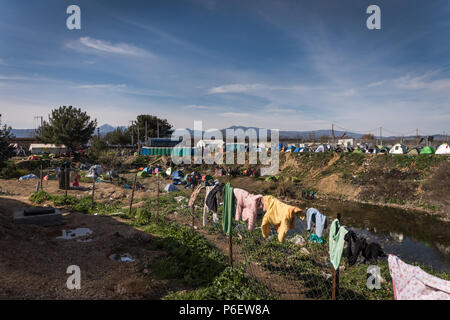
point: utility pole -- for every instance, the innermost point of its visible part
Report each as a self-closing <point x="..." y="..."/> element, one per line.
<point x="132" y="134"/>
<point x="138" y="139"/>
<point x="381" y="136"/>
<point x="157" y="126"/>
<point x="332" y="132"/>
<point x="146" y="134"/>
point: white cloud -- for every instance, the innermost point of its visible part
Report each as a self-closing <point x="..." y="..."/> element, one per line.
<point x="101" y="86"/>
<point x="88" y="44"/>
<point x="233" y="114"/>
<point x="239" y="88"/>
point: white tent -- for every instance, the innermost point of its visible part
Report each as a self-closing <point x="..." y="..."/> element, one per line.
<point x="443" y="149"/>
<point x="321" y="148"/>
<point x="398" y="149"/>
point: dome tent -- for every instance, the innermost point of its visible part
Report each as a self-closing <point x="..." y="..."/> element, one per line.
<point x="443" y="149"/>
<point x="170" y="187"/>
<point x="398" y="149"/>
<point x="427" y="150"/>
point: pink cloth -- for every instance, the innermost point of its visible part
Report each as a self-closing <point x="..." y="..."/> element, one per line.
<point x="247" y="205"/>
<point x="412" y="283"/>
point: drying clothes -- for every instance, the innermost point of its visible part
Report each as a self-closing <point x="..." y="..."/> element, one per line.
<point x="358" y="246"/>
<point x="211" y="199"/>
<point x="315" y="238"/>
<point x="355" y="246"/>
<point x="372" y="252"/>
<point x="279" y="214"/>
<point x="247" y="205"/>
<point x="336" y="242"/>
<point x="194" y="195"/>
<point x="315" y="216"/>
<point x="206" y="209"/>
<point x="229" y="208"/>
<point x="412" y="283"/>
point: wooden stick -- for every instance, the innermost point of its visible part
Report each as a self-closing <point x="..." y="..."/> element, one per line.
<point x="132" y="193"/>
<point x="230" y="249"/>
<point x="157" y="199"/>
<point x="66" y="178"/>
<point x="93" y="191"/>
<point x="40" y="174"/>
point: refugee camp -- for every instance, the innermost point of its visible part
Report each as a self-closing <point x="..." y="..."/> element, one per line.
<point x="234" y="151"/>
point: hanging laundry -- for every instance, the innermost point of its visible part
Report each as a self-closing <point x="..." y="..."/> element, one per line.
<point x="315" y="216"/>
<point x="211" y="199"/>
<point x="194" y="195"/>
<point x="354" y="247"/>
<point x="206" y="209"/>
<point x="279" y="214"/>
<point x="229" y="208"/>
<point x="358" y="246"/>
<point x="315" y="238"/>
<point x="412" y="283"/>
<point x="336" y="242"/>
<point x="247" y="205"/>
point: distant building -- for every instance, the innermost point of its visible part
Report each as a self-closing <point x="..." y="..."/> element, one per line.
<point x="346" y="142"/>
<point x="39" y="148"/>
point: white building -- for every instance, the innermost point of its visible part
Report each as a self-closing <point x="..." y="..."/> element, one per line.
<point x="349" y="142"/>
<point x="39" y="148"/>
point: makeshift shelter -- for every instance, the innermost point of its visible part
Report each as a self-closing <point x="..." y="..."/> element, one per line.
<point x="427" y="150"/>
<point x="357" y="150"/>
<point x="95" y="170"/>
<point x="413" y="152"/>
<point x="398" y="149"/>
<point x="170" y="188"/>
<point x="443" y="149"/>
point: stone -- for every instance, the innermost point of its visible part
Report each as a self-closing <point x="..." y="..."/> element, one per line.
<point x="298" y="240"/>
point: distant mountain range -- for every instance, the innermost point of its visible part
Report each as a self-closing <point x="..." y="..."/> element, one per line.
<point x="106" y="128"/>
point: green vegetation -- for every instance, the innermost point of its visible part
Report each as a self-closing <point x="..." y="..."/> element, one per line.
<point x="69" y="126"/>
<point x="82" y="204"/>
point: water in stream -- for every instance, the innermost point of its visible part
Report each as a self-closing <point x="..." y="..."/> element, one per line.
<point x="412" y="236"/>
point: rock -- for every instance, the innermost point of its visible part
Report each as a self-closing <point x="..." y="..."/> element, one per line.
<point x="298" y="240"/>
<point x="305" y="251"/>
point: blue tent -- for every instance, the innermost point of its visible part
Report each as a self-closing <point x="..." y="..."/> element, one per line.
<point x="177" y="175"/>
<point x="297" y="149"/>
<point x="280" y="146"/>
<point x="170" y="187"/>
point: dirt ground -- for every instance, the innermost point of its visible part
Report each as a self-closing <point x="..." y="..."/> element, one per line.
<point x="33" y="263"/>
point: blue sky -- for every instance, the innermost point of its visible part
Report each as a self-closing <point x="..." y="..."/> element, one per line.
<point x="290" y="65"/>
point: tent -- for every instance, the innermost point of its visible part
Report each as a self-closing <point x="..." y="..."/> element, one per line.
<point x="177" y="175"/>
<point x="142" y="174"/>
<point x="320" y="148"/>
<point x="297" y="149"/>
<point x="357" y="151"/>
<point x="28" y="177"/>
<point x="443" y="149"/>
<point x="170" y="187"/>
<point x="413" y="152"/>
<point x="398" y="149"/>
<point x="427" y="150"/>
<point x="94" y="170"/>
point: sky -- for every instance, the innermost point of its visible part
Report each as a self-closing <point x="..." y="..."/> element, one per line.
<point x="288" y="65"/>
